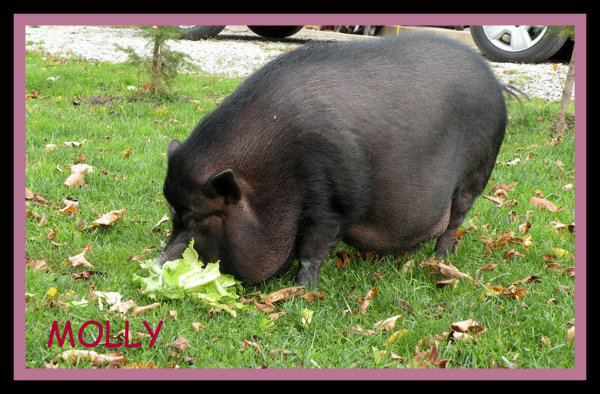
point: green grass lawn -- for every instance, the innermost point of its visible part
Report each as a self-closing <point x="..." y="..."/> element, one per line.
<point x="126" y="140"/>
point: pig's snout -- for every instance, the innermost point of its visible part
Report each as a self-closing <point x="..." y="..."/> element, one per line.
<point x="160" y="259"/>
<point x="172" y="252"/>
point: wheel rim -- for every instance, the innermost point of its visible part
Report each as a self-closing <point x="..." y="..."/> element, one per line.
<point x="514" y="38"/>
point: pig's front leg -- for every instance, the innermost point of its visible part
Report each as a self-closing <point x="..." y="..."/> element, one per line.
<point x="314" y="245"/>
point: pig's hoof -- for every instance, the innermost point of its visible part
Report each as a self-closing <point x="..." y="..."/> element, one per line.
<point x="309" y="281"/>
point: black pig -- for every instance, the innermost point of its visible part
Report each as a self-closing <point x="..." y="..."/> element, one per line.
<point x="381" y="143"/>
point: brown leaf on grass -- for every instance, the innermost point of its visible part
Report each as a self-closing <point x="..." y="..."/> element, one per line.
<point x="72" y="144"/>
<point x="108" y="219"/>
<point x="447" y="282"/>
<point x="264" y="307"/>
<point x="51" y="234"/>
<point x="529" y="279"/>
<point x="140" y="365"/>
<point x="364" y="302"/>
<point x="427" y="358"/>
<point x="512" y="292"/>
<point x="282" y="295"/>
<point x="571" y="334"/>
<point x="73" y="356"/>
<point x="246" y="344"/>
<point x="161" y="221"/>
<point x="197" y="326"/>
<point x="70" y="207"/>
<point x="470" y="325"/>
<point x="179" y="345"/>
<point x="36" y="265"/>
<point x="507" y="187"/>
<point x="511" y="253"/>
<point x="84" y="275"/>
<point x="80" y="259"/>
<point x="490" y="290"/>
<point x="314" y="295"/>
<point x="141" y="309"/>
<point x="387" y="324"/>
<point x="559" y="227"/>
<point x="34" y="197"/>
<point x="459" y="234"/>
<point x="343" y="259"/>
<point x="570" y="272"/>
<point x="543" y="203"/>
<point x="77" y="178"/>
<point x="444" y="269"/>
<point x="523" y="228"/>
<point x="42" y="219"/>
<point x="407" y="266"/>
<point x="123" y="307"/>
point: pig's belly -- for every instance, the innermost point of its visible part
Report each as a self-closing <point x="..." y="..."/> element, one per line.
<point x="393" y="235"/>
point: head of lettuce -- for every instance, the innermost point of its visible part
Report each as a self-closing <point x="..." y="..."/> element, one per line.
<point x="189" y="277"/>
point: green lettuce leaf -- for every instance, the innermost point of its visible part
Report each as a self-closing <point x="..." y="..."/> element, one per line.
<point x="189" y="277"/>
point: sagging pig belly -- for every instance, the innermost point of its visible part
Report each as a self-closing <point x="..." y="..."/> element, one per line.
<point x="394" y="235"/>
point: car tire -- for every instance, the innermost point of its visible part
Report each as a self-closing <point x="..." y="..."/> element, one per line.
<point x="275" y="31"/>
<point x="195" y="33"/>
<point x="529" y="44"/>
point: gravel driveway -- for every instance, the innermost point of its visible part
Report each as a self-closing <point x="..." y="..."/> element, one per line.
<point x="237" y="52"/>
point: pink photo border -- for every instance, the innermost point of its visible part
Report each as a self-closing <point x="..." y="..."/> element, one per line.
<point x="21" y="20"/>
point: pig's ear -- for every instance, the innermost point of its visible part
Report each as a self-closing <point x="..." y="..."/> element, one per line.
<point x="224" y="184"/>
<point x="173" y="146"/>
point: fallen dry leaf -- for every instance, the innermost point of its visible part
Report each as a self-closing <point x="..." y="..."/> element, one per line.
<point x="430" y="357"/>
<point x="36" y="265"/>
<point x="70" y="207"/>
<point x="407" y="266"/>
<point x="77" y="178"/>
<point x="72" y="356"/>
<point x="80" y="259"/>
<point x="264" y="307"/>
<point x="543" y="203"/>
<point x="513" y="292"/>
<point x="108" y="219"/>
<point x="387" y="324"/>
<point x="511" y="253"/>
<point x="254" y="345"/>
<point x="314" y="295"/>
<point x="161" y="221"/>
<point x="470" y="325"/>
<point x="444" y="269"/>
<point x="141" y="309"/>
<point x="123" y="307"/>
<point x="180" y="344"/>
<point x="447" y="282"/>
<point x="30" y="196"/>
<point x="571" y="334"/>
<point x="523" y="228"/>
<point x="343" y="259"/>
<point x="197" y="326"/>
<point x="84" y="275"/>
<point x="282" y="295"/>
<point x="364" y="302"/>
<point x="507" y="187"/>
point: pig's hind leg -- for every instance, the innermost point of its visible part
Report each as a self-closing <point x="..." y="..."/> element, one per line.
<point x="462" y="201"/>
